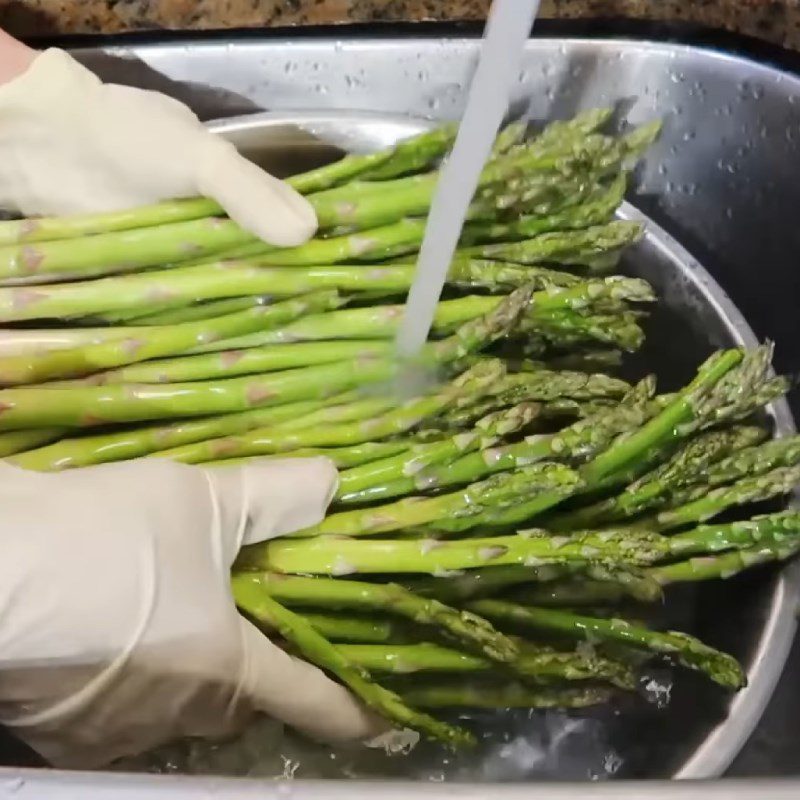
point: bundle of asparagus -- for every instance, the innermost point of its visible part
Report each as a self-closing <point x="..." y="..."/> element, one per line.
<point x="476" y="517"/>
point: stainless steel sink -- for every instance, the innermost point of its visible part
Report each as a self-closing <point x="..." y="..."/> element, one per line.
<point x="720" y="181"/>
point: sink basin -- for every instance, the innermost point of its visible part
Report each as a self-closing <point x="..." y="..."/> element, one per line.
<point x="717" y="182"/>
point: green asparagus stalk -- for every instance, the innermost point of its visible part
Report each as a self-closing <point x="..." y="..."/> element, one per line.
<point x="20" y="441"/>
<point x="625" y="547"/>
<point x="390" y="598"/>
<point x="635" y="584"/>
<point x="710" y="504"/>
<point x="578" y="441"/>
<point x="597" y="209"/>
<point x="575" y="248"/>
<point x="141" y="441"/>
<point x="539" y="666"/>
<point x="486" y="432"/>
<point x="769" y="548"/>
<point x="342" y="457"/>
<point x="752" y="461"/>
<point x="226" y="280"/>
<point x="254" y="361"/>
<point x="510" y="695"/>
<point x="685" y="649"/>
<point x="382" y="321"/>
<point x="354" y="428"/>
<point x="318" y="650"/>
<point x="685" y="412"/>
<point x="341" y="628"/>
<point x="158" y="341"/>
<point x="175" y="313"/>
<point x="46" y="229"/>
<point x="685" y="467"/>
<point x="478" y="503"/>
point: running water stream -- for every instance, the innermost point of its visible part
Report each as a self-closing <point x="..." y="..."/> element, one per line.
<point x="507" y="29"/>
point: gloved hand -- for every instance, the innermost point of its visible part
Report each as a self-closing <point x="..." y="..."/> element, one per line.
<point x="118" y="631"/>
<point x="71" y="144"/>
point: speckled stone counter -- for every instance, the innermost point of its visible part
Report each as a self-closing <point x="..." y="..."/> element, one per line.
<point x="777" y="21"/>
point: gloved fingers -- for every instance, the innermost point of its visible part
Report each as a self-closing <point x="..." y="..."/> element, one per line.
<point x="271" y="497"/>
<point x="301" y="695"/>
<point x="266" y="206"/>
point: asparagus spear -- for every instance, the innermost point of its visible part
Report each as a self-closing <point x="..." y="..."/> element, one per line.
<point x="460" y="626"/>
<point x="576" y="442"/>
<point x="576" y="248"/>
<point x="136" y="442"/>
<point x="539" y="666"/>
<point x="226" y="280"/>
<point x="320" y="651"/>
<point x="682" y="415"/>
<point x="778" y="482"/>
<point x="43" y="229"/>
<point x="341" y="628"/>
<point x="625" y="547"/>
<point x="487" y="431"/>
<point x="687" y="465"/>
<point x="174" y="313"/>
<point x="752" y="461"/>
<point x="685" y="649"/>
<point x="342" y="457"/>
<point x="382" y="321"/>
<point x="82" y="406"/>
<point x="627" y="582"/>
<point x="20" y="441"/>
<point x="256" y="360"/>
<point x="160" y="340"/>
<point x="471" y="506"/>
<point x="354" y="428"/>
<point x="510" y="695"/>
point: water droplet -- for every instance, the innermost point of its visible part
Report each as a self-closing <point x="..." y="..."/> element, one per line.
<point x="320" y="88"/>
<point x="677" y="77"/>
<point x="688" y="136"/>
<point x="792" y="99"/>
<point x="662" y="169"/>
<point x="433" y="103"/>
<point x="729" y="213"/>
<point x="523" y="76"/>
<point x="422" y="75"/>
<point x="669" y="187"/>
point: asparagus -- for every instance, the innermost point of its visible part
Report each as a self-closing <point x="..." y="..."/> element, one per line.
<point x="597" y="209"/>
<point x="341" y="628"/>
<point x="86" y="406"/>
<point x="625" y="547"/>
<point x="471" y="506"/>
<point x="99" y="405"/>
<point x="576" y="442"/>
<point x="136" y="442"/>
<point x="20" y="441"/>
<point x="510" y="695"/>
<point x="461" y="626"/>
<point x="753" y="461"/>
<point x="686" y="411"/>
<point x="686" y="650"/>
<point x="628" y="582"/>
<point x="174" y="313"/>
<point x="354" y="428"/>
<point x="539" y="666"/>
<point x="256" y="360"/>
<point x="46" y="229"/>
<point x="487" y="431"/>
<point x="685" y="467"/>
<point x="342" y="457"/>
<point x="710" y="504"/>
<point x="226" y="280"/>
<point x="251" y="599"/>
<point x="576" y="248"/>
<point x="382" y="321"/>
<point x="160" y="340"/>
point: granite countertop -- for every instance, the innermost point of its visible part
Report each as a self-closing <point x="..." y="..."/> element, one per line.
<point x="777" y="21"/>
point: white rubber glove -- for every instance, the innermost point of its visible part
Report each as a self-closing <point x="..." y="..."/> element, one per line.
<point x="117" y="627"/>
<point x="71" y="144"/>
